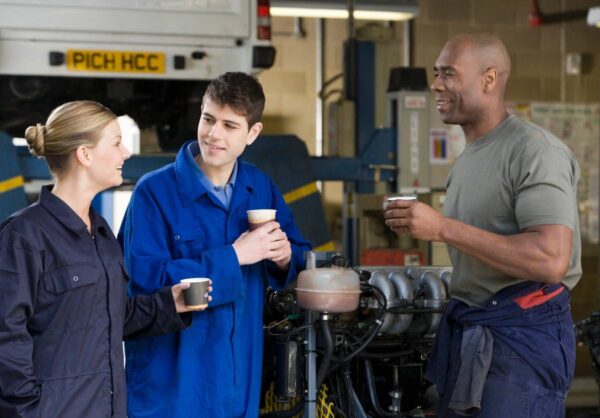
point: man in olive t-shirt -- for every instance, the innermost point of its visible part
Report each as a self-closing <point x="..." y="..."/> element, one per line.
<point x="510" y="222"/>
<point x="515" y="177"/>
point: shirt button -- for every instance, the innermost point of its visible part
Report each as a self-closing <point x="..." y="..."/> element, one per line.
<point x="494" y="302"/>
<point x="177" y="237"/>
<point x="75" y="278"/>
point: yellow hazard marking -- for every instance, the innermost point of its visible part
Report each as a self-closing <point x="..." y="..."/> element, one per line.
<point x="11" y="183"/>
<point x="328" y="246"/>
<point x="300" y="192"/>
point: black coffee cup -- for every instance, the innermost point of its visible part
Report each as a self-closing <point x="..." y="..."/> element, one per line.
<point x="196" y="296"/>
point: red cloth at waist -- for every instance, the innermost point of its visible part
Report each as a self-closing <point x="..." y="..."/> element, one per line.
<point x="537" y="297"/>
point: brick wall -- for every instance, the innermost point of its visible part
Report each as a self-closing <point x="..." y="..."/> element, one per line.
<point x="537" y="56"/>
<point x="536" y="53"/>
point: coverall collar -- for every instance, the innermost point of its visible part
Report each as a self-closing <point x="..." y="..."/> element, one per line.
<point x="63" y="212"/>
<point x="191" y="189"/>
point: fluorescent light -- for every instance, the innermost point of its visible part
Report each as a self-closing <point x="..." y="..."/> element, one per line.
<point x="301" y="12"/>
<point x="337" y="9"/>
<point x="339" y="14"/>
<point x="593" y="17"/>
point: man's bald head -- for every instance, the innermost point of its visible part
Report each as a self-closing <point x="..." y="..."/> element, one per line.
<point x="488" y="50"/>
<point x="471" y="74"/>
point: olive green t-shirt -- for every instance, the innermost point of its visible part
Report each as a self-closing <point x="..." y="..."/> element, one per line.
<point x="517" y="176"/>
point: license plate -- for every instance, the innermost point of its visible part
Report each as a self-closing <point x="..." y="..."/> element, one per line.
<point x="115" y="61"/>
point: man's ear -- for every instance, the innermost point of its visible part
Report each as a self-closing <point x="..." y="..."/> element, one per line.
<point x="83" y="156"/>
<point x="253" y="133"/>
<point x="490" y="79"/>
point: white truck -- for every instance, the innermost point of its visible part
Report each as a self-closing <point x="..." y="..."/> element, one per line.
<point x="151" y="59"/>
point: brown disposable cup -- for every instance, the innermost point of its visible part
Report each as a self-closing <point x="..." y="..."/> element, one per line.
<point x="258" y="217"/>
<point x="196" y="296"/>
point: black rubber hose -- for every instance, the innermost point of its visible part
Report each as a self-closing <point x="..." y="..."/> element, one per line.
<point x="327" y="354"/>
<point x="349" y="392"/>
<point x="389" y="354"/>
<point x="365" y="343"/>
<point x="375" y="331"/>
<point x="373" y="394"/>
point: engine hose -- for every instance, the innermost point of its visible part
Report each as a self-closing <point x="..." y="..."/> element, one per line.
<point x="373" y="394"/>
<point x="365" y="343"/>
<point x="378" y="325"/>
<point x="389" y="354"/>
<point x="353" y="354"/>
<point x="349" y="393"/>
<point x="388" y="343"/>
<point x="382" y="300"/>
<point x="326" y="360"/>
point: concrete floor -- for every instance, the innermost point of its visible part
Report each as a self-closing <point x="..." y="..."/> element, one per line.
<point x="583" y="394"/>
<point x="583" y="399"/>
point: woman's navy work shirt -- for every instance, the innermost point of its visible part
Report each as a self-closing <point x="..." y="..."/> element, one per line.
<point x="63" y="314"/>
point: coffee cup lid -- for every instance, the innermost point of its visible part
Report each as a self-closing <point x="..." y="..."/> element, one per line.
<point x="392" y="198"/>
<point x="195" y="279"/>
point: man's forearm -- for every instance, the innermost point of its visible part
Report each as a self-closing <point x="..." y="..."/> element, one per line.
<point x="540" y="253"/>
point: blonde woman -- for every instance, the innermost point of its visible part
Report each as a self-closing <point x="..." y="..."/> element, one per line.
<point x="63" y="288"/>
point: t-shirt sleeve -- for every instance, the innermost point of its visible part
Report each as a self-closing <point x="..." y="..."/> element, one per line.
<point x="545" y="186"/>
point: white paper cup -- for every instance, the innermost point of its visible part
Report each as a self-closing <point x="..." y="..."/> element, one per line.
<point x="258" y="217"/>
<point x="391" y="199"/>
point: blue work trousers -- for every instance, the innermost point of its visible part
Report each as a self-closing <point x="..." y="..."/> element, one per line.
<point x="513" y="387"/>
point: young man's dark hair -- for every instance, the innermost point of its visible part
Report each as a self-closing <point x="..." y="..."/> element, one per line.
<point x="240" y="91"/>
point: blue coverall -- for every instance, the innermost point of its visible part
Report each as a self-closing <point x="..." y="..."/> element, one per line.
<point x="174" y="228"/>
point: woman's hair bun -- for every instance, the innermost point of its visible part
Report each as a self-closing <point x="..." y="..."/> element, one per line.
<point x="36" y="136"/>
